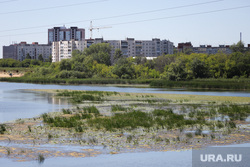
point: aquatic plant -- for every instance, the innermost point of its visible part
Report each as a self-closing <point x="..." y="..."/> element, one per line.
<point x="129" y="138"/>
<point x="2" y="128"/>
<point x="235" y="112"/>
<point x="29" y="127"/>
<point x="189" y="135"/>
<point x="115" y="108"/>
<point x="41" y="158"/>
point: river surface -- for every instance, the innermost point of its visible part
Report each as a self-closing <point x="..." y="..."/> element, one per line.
<point x="147" y="159"/>
<point x="17" y="102"/>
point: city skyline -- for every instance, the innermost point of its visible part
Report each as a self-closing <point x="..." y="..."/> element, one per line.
<point x="205" y="22"/>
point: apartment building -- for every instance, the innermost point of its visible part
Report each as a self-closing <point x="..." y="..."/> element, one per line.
<point x="132" y="48"/>
<point x="57" y="34"/>
<point x="63" y="49"/>
<point x="21" y="50"/>
<point x="208" y="49"/>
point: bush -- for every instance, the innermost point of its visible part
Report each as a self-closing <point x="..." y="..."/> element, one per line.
<point x="2" y="128"/>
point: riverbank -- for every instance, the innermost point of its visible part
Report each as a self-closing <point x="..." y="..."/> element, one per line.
<point x="7" y="75"/>
<point x="197" y="84"/>
<point x="25" y="139"/>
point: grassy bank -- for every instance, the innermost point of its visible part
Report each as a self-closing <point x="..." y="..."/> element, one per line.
<point x="229" y="84"/>
<point x="102" y="81"/>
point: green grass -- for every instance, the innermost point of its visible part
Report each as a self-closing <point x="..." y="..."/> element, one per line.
<point x="230" y="84"/>
<point x="235" y="112"/>
<point x="91" y="81"/>
<point x="115" y="108"/>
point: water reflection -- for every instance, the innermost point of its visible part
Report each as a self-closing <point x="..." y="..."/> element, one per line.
<point x="15" y="104"/>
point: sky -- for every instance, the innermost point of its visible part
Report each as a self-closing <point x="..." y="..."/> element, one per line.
<point x="202" y="22"/>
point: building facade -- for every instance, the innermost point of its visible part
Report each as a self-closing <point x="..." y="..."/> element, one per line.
<point x="146" y="48"/>
<point x="10" y="52"/>
<point x="63" y="49"/>
<point x="129" y="47"/>
<point x="21" y="50"/>
<point x="207" y="49"/>
<point x="57" y="34"/>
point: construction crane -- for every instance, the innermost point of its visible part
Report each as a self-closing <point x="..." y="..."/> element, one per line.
<point x="91" y="28"/>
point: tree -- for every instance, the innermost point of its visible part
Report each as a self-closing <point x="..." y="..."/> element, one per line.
<point x="40" y="58"/>
<point x="50" y="58"/>
<point x="65" y="64"/>
<point x="100" y="53"/>
<point x="239" y="47"/>
<point x="177" y="71"/>
<point x="162" y="61"/>
<point x="124" y="68"/>
<point x="28" y="56"/>
<point x="199" y="68"/>
<point x="118" y="55"/>
<point x="188" y="51"/>
<point x="140" y="60"/>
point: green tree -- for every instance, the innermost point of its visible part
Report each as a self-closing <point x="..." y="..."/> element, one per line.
<point x="199" y="68"/>
<point x="118" y="55"/>
<point x="124" y="68"/>
<point x="100" y="53"/>
<point x="239" y="47"/>
<point x="65" y="64"/>
<point x="177" y="71"/>
<point x="28" y="56"/>
<point x="78" y="66"/>
<point x="26" y="63"/>
<point x="40" y="58"/>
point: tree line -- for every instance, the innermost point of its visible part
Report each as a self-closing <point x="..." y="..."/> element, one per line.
<point x="96" y="62"/>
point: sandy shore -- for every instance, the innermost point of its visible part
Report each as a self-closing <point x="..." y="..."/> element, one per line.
<point x="6" y="75"/>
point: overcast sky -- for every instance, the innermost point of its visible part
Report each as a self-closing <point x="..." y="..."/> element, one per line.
<point x="201" y="22"/>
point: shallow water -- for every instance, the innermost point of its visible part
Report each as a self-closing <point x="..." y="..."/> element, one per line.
<point x="148" y="159"/>
<point x="16" y="102"/>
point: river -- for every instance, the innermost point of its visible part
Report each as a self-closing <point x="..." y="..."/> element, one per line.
<point x="17" y="102"/>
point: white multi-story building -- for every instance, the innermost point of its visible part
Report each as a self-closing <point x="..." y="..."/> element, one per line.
<point x="21" y="50"/>
<point x="63" y="49"/>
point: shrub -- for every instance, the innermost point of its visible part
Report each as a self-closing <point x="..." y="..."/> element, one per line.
<point x="2" y="128"/>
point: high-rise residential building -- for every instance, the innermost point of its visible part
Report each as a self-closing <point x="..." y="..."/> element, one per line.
<point x="65" y="34"/>
<point x="63" y="49"/>
<point x="21" y="50"/>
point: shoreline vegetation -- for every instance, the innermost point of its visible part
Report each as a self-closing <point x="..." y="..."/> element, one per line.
<point x="113" y="122"/>
<point x="95" y="65"/>
<point x="206" y="84"/>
